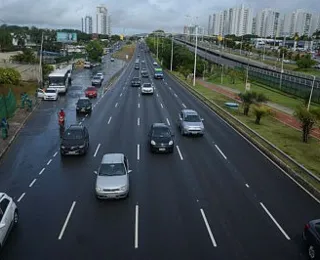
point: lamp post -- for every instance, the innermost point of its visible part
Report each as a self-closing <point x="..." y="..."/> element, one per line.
<point x="310" y="97"/>
<point x="195" y="58"/>
<point x="241" y="45"/>
<point x="171" y="60"/>
<point x="157" y="46"/>
<point x="281" y="74"/>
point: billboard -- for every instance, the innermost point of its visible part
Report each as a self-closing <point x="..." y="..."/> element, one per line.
<point x="66" y="37"/>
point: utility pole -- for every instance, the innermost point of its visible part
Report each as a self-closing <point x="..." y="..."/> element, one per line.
<point x="40" y="63"/>
<point x="171" y="60"/>
<point x="157" y="46"/>
<point x="195" y="58"/>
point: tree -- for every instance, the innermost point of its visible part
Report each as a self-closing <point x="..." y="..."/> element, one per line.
<point x="46" y="70"/>
<point x="250" y="97"/>
<point x="307" y="119"/>
<point x="5" y="40"/>
<point x="184" y="70"/>
<point x="94" y="50"/>
<point x="9" y="76"/>
<point x="306" y="62"/>
<point x="27" y="56"/>
<point x="233" y="74"/>
<point x="260" y="111"/>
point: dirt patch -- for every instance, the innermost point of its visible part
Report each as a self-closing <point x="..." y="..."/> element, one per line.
<point x="28" y="87"/>
<point x="125" y="50"/>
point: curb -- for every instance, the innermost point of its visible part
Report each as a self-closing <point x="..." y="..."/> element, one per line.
<point x="18" y="130"/>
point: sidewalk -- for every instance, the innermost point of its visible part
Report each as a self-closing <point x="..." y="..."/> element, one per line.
<point x="281" y="113"/>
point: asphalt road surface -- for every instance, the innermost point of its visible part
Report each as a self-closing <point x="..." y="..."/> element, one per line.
<point x="215" y="197"/>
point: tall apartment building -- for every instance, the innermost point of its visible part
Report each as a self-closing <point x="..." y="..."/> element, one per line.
<point x="209" y="25"/>
<point x="268" y="23"/>
<point x="109" y="25"/>
<point x="101" y="19"/>
<point x="87" y="24"/>
<point x="236" y="21"/>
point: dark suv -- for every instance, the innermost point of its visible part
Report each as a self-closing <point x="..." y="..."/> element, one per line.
<point x="311" y="236"/>
<point x="161" y="138"/>
<point x="84" y="105"/>
<point x="75" y="140"/>
<point x="136" y="82"/>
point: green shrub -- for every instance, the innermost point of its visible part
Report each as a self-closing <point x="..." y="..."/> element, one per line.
<point x="9" y="76"/>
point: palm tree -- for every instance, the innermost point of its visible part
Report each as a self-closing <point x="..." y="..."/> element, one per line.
<point x="307" y="119"/>
<point x="248" y="98"/>
<point x="260" y="111"/>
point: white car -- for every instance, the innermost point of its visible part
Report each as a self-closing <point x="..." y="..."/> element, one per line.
<point x="100" y="74"/>
<point x="9" y="216"/>
<point x="155" y="64"/>
<point x="40" y="93"/>
<point x="87" y="65"/>
<point x="146" y="88"/>
<point x="50" y="94"/>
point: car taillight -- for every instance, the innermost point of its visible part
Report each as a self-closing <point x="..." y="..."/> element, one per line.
<point x="306" y="226"/>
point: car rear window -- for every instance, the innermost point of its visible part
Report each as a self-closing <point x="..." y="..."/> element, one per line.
<point x="91" y="89"/>
<point x="73" y="134"/>
<point x="96" y="77"/>
<point x="147" y="85"/>
<point x="135" y="79"/>
<point x="50" y="91"/>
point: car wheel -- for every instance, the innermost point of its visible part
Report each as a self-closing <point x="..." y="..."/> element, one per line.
<point x="16" y="217"/>
<point x="311" y="252"/>
<point x="181" y="131"/>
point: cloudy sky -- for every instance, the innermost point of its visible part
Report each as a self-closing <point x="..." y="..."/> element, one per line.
<point x="131" y="16"/>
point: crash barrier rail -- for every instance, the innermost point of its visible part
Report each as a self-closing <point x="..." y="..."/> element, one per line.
<point x="8" y="105"/>
<point x="296" y="170"/>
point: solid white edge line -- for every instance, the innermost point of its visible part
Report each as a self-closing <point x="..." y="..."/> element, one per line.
<point x="55" y="154"/>
<point x="109" y="120"/>
<point x="49" y="161"/>
<point x="136" y="227"/>
<point x="275" y="222"/>
<point x="97" y="149"/>
<point x="31" y="184"/>
<point x="225" y="157"/>
<point x="161" y="105"/>
<point x="67" y="220"/>
<point x="42" y="171"/>
<point x="168" y="121"/>
<point x="21" y="197"/>
<point x="214" y="243"/>
<point x="181" y="157"/>
<point x="267" y="157"/>
<point x="138" y="121"/>
<point x="138" y="152"/>
<point x="184" y="105"/>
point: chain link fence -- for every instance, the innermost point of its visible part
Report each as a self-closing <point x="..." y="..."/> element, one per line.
<point x="8" y="104"/>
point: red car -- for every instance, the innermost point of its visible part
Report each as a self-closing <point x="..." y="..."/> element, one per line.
<point x="91" y="92"/>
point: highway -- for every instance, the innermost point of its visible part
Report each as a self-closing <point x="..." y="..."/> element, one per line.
<point x="215" y="197"/>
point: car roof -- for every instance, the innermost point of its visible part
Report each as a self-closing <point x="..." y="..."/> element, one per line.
<point x="84" y="98"/>
<point x="51" y="89"/>
<point x="155" y="125"/>
<point x="76" y="127"/>
<point x="136" y="78"/>
<point x="99" y="73"/>
<point x="189" y="112"/>
<point x="112" y="158"/>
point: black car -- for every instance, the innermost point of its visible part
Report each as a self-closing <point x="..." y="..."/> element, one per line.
<point x="311" y="236"/>
<point x="161" y="138"/>
<point x="84" y="105"/>
<point x="136" y="82"/>
<point x="136" y="66"/>
<point x="75" y="140"/>
<point x="144" y="73"/>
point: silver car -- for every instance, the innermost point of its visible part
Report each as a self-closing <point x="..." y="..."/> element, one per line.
<point x="113" y="177"/>
<point x="146" y="88"/>
<point x="190" y="123"/>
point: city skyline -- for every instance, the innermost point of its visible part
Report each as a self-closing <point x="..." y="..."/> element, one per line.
<point x="102" y="23"/>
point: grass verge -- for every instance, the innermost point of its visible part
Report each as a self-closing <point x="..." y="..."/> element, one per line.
<point x="274" y="95"/>
<point x="28" y="87"/>
<point x="286" y="139"/>
<point x="125" y="50"/>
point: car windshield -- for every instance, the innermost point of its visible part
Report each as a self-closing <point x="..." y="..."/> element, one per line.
<point x="99" y="74"/>
<point x="50" y="91"/>
<point x="91" y="89"/>
<point x="147" y="85"/>
<point x="115" y="169"/>
<point x="96" y="77"/>
<point x="135" y="79"/>
<point x="161" y="132"/>
<point x="72" y="134"/>
<point x="192" y="118"/>
<point x="83" y="102"/>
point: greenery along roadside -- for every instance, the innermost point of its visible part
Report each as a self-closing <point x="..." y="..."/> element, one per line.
<point x="125" y="50"/>
<point x="286" y="138"/>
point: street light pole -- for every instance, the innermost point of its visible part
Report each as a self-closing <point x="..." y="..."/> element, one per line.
<point x="314" y="78"/>
<point x="157" y="46"/>
<point x="171" y="60"/>
<point x="40" y="65"/>
<point x="241" y="45"/>
<point x="195" y="58"/>
<point x="281" y="75"/>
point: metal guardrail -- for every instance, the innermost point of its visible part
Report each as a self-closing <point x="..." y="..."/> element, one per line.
<point x="263" y="144"/>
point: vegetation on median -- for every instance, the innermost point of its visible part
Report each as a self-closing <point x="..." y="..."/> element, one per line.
<point x="125" y="50"/>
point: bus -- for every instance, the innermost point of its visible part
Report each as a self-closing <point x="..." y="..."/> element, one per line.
<point x="158" y="73"/>
<point x="60" y="79"/>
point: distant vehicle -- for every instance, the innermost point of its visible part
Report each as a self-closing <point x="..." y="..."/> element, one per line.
<point x="136" y="66"/>
<point x="75" y="140"/>
<point x="136" y="82"/>
<point x="190" y="123"/>
<point x="84" y="105"/>
<point x="311" y="237"/>
<point x="146" y="88"/>
<point x="60" y="79"/>
<point x="112" y="59"/>
<point x="96" y="80"/>
<point x="50" y="94"/>
<point x="143" y="61"/>
<point x="91" y="92"/>
<point x="100" y="74"/>
<point x="155" y="63"/>
<point x="113" y="177"/>
<point x="9" y="217"/>
<point x="87" y="65"/>
<point x="158" y="73"/>
<point x="40" y="93"/>
<point x="144" y="73"/>
<point x="161" y="138"/>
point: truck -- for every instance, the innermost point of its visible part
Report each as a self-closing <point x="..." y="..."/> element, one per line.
<point x="158" y="73"/>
